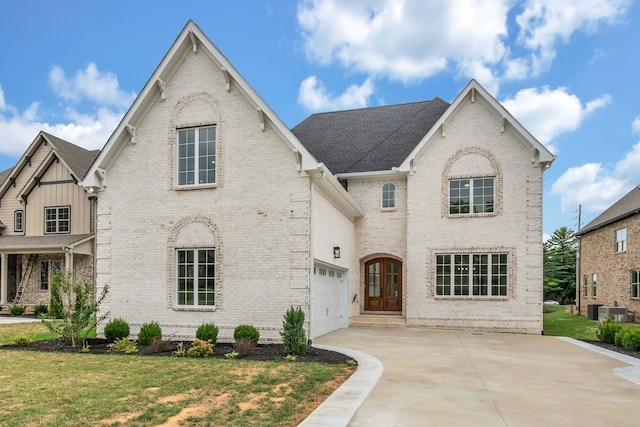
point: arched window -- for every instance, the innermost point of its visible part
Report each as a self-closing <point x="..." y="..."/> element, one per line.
<point x="389" y="196"/>
<point x="18" y="221"/>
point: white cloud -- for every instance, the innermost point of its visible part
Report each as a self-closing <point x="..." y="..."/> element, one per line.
<point x="89" y="130"/>
<point x="92" y="84"/>
<point x="635" y="125"/>
<point x="545" y="22"/>
<point x="410" y="41"/>
<point x="550" y="112"/>
<point x="594" y="186"/>
<point x="314" y="96"/>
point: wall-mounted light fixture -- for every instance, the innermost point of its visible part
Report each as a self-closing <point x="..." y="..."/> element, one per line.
<point x="336" y="251"/>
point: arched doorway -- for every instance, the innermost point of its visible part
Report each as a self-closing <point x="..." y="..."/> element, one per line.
<point x="383" y="285"/>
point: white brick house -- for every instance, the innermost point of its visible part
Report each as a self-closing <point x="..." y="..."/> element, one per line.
<point x="211" y="210"/>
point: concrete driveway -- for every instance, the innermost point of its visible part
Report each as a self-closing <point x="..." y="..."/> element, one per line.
<point x="461" y="378"/>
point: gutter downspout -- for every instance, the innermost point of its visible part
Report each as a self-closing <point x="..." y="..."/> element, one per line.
<point x="312" y="186"/>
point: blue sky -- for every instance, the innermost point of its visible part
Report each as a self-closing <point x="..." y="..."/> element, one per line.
<point x="566" y="69"/>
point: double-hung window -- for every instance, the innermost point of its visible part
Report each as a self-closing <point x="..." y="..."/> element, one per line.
<point x="621" y="240"/>
<point x="472" y="275"/>
<point x="471" y="196"/>
<point x="57" y="220"/>
<point x="197" y="156"/>
<point x="635" y="283"/>
<point x="196" y="277"/>
<point x="18" y="221"/>
<point x="388" y="196"/>
<point x="585" y="285"/>
<point x="594" y="285"/>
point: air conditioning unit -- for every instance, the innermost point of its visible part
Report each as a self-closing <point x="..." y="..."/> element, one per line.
<point x="618" y="314"/>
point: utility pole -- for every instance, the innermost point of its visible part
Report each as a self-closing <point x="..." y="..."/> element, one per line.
<point x="578" y="283"/>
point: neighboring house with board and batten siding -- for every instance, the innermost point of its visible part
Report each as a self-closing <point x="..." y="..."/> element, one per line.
<point x="46" y="220"/>
<point x="210" y="209"/>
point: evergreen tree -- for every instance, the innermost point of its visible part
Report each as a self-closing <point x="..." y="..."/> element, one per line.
<point x="559" y="254"/>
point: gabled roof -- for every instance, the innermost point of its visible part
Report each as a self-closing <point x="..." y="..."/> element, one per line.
<point x="368" y="139"/>
<point x="627" y="206"/>
<point x="76" y="159"/>
<point x="474" y="92"/>
<point x="192" y="39"/>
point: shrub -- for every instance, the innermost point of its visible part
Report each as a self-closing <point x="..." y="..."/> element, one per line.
<point x="200" y="348"/>
<point x="246" y="333"/>
<point x="231" y="355"/>
<point x="21" y="338"/>
<point x="148" y="332"/>
<point x="208" y="332"/>
<point x="116" y="329"/>
<point x="243" y="347"/>
<point x="17" y="309"/>
<point x="123" y="345"/>
<point x="40" y="309"/>
<point x="631" y="339"/>
<point x="293" y="335"/>
<point x="607" y="330"/>
<point x="617" y="340"/>
<point x="180" y="351"/>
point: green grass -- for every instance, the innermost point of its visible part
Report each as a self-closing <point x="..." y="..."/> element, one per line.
<point x="36" y="330"/>
<point x="557" y="322"/>
<point x="53" y="389"/>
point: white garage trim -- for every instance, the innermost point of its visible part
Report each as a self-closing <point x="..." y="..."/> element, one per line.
<point x="329" y="299"/>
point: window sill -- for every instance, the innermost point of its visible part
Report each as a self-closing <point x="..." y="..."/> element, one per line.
<point x="472" y="215"/>
<point x="194" y="308"/>
<point x="195" y="187"/>
<point x="471" y="298"/>
<point x="388" y="209"/>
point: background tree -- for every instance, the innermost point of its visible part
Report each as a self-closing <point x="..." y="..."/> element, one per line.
<point x="559" y="254"/>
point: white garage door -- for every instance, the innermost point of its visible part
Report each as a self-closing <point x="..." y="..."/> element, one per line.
<point x="329" y="301"/>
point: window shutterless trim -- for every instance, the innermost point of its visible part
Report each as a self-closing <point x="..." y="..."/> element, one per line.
<point x="197" y="149"/>
<point x="59" y="225"/>
<point x="18" y="221"/>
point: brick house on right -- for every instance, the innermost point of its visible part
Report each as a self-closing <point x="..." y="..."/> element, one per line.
<point x="610" y="257"/>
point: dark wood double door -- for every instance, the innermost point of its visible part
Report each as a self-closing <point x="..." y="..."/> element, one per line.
<point x="383" y="285"/>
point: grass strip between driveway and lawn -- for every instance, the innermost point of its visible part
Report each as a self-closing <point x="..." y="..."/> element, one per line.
<point x="53" y="389"/>
<point x="558" y="322"/>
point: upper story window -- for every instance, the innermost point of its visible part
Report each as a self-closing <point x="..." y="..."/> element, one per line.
<point x="471" y="196"/>
<point x="472" y="275"/>
<point x="389" y="196"/>
<point x="621" y="240"/>
<point x="197" y="156"/>
<point x="18" y="221"/>
<point x="57" y="220"/>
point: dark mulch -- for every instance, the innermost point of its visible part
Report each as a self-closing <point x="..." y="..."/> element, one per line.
<point x="262" y="352"/>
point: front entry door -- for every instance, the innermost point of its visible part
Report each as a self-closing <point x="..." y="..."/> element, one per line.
<point x="383" y="285"/>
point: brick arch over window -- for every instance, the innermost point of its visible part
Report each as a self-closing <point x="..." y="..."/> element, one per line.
<point x="198" y="109"/>
<point x="194" y="232"/>
<point x="472" y="162"/>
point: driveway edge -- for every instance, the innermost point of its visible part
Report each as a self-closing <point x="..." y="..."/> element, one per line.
<point x="343" y="403"/>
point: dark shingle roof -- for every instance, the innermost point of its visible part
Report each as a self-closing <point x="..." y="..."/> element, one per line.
<point x="48" y="241"/>
<point x="627" y="206"/>
<point x="368" y="139"/>
<point x="4" y="175"/>
<point x="78" y="159"/>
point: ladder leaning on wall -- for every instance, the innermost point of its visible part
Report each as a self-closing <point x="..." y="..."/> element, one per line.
<point x="25" y="279"/>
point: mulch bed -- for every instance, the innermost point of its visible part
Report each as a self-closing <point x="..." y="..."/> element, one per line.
<point x="262" y="352"/>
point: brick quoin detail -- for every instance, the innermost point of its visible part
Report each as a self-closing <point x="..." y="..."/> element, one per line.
<point x="212" y="240"/>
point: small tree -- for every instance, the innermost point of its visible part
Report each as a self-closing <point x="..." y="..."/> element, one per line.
<point x="72" y="311"/>
<point x="293" y="335"/>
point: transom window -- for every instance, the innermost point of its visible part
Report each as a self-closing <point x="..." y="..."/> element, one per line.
<point x="472" y="275"/>
<point x="197" y="156"/>
<point x="471" y="196"/>
<point x="18" y="221"/>
<point x="388" y="196"/>
<point x="57" y="220"/>
<point x="621" y="240"/>
<point x="196" y="277"/>
<point x="635" y="283"/>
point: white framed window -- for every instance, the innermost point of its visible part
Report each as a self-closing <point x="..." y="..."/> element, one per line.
<point x="471" y="196"/>
<point x="621" y="240"/>
<point x="18" y="221"/>
<point x="196" y="278"/>
<point x="389" y="196"/>
<point x="594" y="285"/>
<point x="635" y="283"/>
<point x="197" y="156"/>
<point x="472" y="275"/>
<point x="57" y="220"/>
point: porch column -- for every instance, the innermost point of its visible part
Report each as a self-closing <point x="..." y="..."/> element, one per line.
<point x="68" y="260"/>
<point x="4" y="274"/>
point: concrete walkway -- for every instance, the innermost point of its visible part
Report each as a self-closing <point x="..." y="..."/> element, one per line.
<point x="459" y="378"/>
<point x="4" y="319"/>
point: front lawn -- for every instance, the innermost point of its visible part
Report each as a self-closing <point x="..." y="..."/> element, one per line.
<point x="54" y="389"/>
<point x="557" y="322"/>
